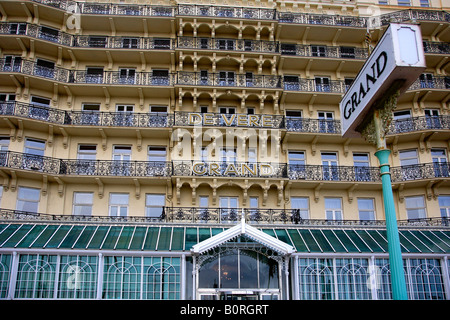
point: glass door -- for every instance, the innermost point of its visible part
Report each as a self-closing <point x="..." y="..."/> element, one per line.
<point x="229" y="208"/>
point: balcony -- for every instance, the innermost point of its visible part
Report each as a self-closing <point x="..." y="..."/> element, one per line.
<point x="423" y="123"/>
<point x="226" y="12"/>
<point x="323" y="51"/>
<point x="202" y="216"/>
<point x="86" y="118"/>
<point x="241" y="45"/>
<point x="236" y="80"/>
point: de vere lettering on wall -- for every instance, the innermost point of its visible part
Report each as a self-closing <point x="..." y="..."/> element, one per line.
<point x="231" y="120"/>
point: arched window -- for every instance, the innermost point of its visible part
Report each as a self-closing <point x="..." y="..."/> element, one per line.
<point x="162" y="281"/>
<point x="426" y="279"/>
<point x="316" y="279"/>
<point x="352" y="279"/>
<point x="36" y="276"/>
<point x="78" y="277"/>
<point x="5" y="270"/>
<point x="122" y="278"/>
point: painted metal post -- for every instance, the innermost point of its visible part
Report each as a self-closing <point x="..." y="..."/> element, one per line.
<point x="395" y="255"/>
<point x="374" y="131"/>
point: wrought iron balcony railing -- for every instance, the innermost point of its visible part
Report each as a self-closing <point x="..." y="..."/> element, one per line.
<point x="218" y="215"/>
<point x="419" y="124"/>
<point x="192" y="168"/>
<point x="221" y="79"/>
<point x="227" y="44"/>
<point x="323" y="51"/>
<point x="86" y="118"/>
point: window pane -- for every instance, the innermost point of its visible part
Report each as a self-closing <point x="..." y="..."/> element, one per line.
<point x="28" y="194"/>
<point x="444" y="201"/>
<point x="414" y="202"/>
<point x="365" y="204"/>
<point x="332" y="203"/>
<point x="299" y="203"/>
<point x="83" y="197"/>
<point x="156" y="199"/>
<point x="119" y="198"/>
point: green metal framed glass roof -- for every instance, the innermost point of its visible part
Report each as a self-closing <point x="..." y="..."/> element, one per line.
<point x="178" y="238"/>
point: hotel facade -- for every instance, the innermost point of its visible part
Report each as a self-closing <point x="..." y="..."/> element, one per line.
<point x="193" y="150"/>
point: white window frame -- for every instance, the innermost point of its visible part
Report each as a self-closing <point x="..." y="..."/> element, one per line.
<point x="444" y="209"/>
<point x="152" y="204"/>
<point x="363" y="212"/>
<point x="333" y="213"/>
<point x="87" y="154"/>
<point x="408" y="158"/>
<point x="118" y="206"/>
<point x="304" y="210"/>
<point x="82" y="205"/>
<point x="158" y="153"/>
<point x="421" y="210"/>
<point x="23" y="202"/>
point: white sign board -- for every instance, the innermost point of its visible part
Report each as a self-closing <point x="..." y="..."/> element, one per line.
<point x="398" y="55"/>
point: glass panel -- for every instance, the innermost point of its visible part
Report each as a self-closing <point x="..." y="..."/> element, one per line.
<point x="298" y="242"/>
<point x="111" y="238"/>
<point x="78" y="277"/>
<point x="11" y="242"/>
<point x="203" y="234"/>
<point x="58" y="236"/>
<point x="248" y="264"/>
<point x="177" y="239"/>
<point x="71" y="237"/>
<point x="31" y="236"/>
<point x="125" y="237"/>
<point x="8" y="232"/>
<point x="83" y="240"/>
<point x="283" y="236"/>
<point x="152" y="237"/>
<point x="98" y="237"/>
<point x="209" y="274"/>
<point x="438" y="239"/>
<point x="367" y="239"/>
<point x="424" y="238"/>
<point x="415" y="241"/>
<point x="308" y="238"/>
<point x="379" y="239"/>
<point x="191" y="238"/>
<point x="338" y="247"/>
<point x="346" y="241"/>
<point x="324" y="245"/>
<point x="404" y="242"/>
<point x="5" y="272"/>
<point x="164" y="238"/>
<point x="43" y="238"/>
<point x="268" y="273"/>
<point x="138" y="238"/>
<point x="229" y="270"/>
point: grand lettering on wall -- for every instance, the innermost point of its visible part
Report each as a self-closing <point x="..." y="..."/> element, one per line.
<point x="243" y="169"/>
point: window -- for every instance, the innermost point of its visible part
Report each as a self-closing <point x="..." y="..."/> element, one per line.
<point x="415" y="207"/>
<point x="426" y="80"/>
<point x="326" y="123"/>
<point x="122" y="153"/>
<point x="160" y="77"/>
<point x="433" y="119"/>
<point x="91" y="107"/>
<point x="49" y="34"/>
<point x="366" y="209"/>
<point x="204" y="201"/>
<point x="254" y="214"/>
<point x="161" y="44"/>
<point x="157" y="153"/>
<point x="300" y="208"/>
<point x="130" y="43"/>
<point x="97" y="42"/>
<point x="87" y="152"/>
<point x="228" y="207"/>
<point x="323" y="84"/>
<point x="362" y="166"/>
<point x="28" y="199"/>
<point x="249" y="79"/>
<point x="204" y="43"/>
<point x="12" y="63"/>
<point x="124" y="108"/>
<point x="4" y="144"/>
<point x="154" y="205"/>
<point x="94" y="75"/>
<point x="330" y="166"/>
<point x="291" y="83"/>
<point x="319" y="51"/>
<point x="225" y="44"/>
<point x="296" y="158"/>
<point x="439" y="157"/>
<point x="294" y="114"/>
<point x="348" y="52"/>
<point x="127" y="75"/>
<point x="424" y="3"/>
<point x="444" y="206"/>
<point x="82" y="203"/>
<point x="228" y="155"/>
<point x="118" y="204"/>
<point x="333" y="208"/>
<point x="408" y="157"/>
<point x="204" y="79"/>
<point x="404" y="3"/>
<point x="227" y="110"/>
<point x="34" y="146"/>
<point x="289" y="49"/>
<point x="226" y="78"/>
<point x="17" y="28"/>
<point x="44" y="68"/>
<point x="158" y="109"/>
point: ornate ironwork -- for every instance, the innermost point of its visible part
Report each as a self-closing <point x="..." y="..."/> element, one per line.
<point x="199" y="215"/>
